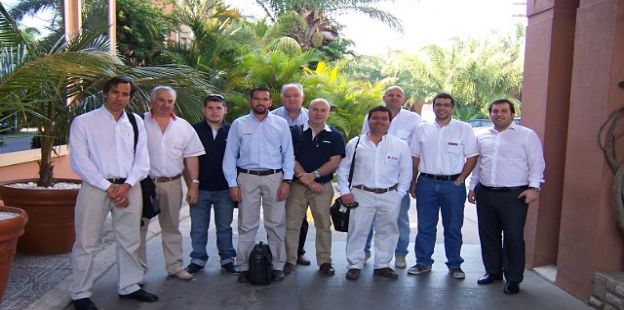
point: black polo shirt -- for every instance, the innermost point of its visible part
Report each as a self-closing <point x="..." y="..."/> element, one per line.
<point x="313" y="153"/>
<point x="210" y="164"/>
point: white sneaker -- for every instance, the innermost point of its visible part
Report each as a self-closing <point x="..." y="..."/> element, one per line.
<point x="399" y="261"/>
<point x="182" y="275"/>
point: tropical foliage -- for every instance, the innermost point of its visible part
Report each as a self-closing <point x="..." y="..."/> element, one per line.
<point x="74" y="75"/>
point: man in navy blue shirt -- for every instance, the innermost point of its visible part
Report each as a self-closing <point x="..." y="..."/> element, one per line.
<point x="317" y="156"/>
<point x="213" y="190"/>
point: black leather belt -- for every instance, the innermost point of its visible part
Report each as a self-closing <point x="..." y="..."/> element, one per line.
<point x="168" y="179"/>
<point x="259" y="172"/>
<point x="377" y="190"/>
<point x="503" y="189"/>
<point x="440" y="177"/>
<point x="117" y="180"/>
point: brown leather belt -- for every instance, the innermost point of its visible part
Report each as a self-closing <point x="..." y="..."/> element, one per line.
<point x="259" y="172"/>
<point x="167" y="179"/>
<point x="377" y="190"/>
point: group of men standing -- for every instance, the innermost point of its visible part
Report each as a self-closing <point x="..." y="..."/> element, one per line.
<point x="283" y="161"/>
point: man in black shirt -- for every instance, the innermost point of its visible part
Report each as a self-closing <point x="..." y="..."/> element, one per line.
<point x="213" y="190"/>
<point x="317" y="155"/>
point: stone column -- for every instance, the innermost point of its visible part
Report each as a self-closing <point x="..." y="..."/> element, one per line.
<point x="71" y="18"/>
<point x="590" y="240"/>
<point x="545" y="103"/>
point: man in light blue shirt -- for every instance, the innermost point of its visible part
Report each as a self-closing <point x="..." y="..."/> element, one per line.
<point x="259" y="166"/>
<point x="295" y="114"/>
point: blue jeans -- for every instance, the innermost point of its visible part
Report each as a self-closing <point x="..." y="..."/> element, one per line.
<point x="404" y="229"/>
<point x="431" y="197"/>
<point x="200" y="223"/>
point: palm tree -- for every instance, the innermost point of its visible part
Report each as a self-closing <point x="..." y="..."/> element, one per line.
<point x="73" y="75"/>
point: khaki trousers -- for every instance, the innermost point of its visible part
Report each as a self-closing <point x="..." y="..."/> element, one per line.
<point x="299" y="198"/>
<point x="170" y="202"/>
<point x="92" y="208"/>
<point x="256" y="192"/>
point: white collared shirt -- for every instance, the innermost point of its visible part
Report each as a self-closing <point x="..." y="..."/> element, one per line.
<point x="404" y="125"/>
<point x="325" y="128"/>
<point x="443" y="149"/>
<point x="512" y="157"/>
<point x="301" y="119"/>
<point x="376" y="166"/>
<point x="103" y="148"/>
<point x="168" y="149"/>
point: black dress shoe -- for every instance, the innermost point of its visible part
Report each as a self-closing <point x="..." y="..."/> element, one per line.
<point x="278" y="275"/>
<point x="242" y="277"/>
<point x="193" y="268"/>
<point x="489" y="278"/>
<point x="84" y="304"/>
<point x="511" y="288"/>
<point x="229" y="267"/>
<point x="386" y="273"/>
<point x="140" y="295"/>
<point x="353" y="274"/>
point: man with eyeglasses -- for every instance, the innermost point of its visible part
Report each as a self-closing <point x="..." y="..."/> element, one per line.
<point x="259" y="166"/>
<point x="404" y="125"/>
<point x="295" y="114"/>
<point x="382" y="172"/>
<point x="444" y="152"/>
<point x="213" y="190"/>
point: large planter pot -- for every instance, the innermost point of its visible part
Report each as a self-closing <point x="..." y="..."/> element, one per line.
<point x="10" y="229"/>
<point x="50" y="228"/>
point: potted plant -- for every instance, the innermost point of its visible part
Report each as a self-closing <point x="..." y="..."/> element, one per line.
<point x="12" y="222"/>
<point x="50" y="87"/>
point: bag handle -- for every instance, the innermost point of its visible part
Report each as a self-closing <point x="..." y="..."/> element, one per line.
<point x="353" y="161"/>
<point x="135" y="128"/>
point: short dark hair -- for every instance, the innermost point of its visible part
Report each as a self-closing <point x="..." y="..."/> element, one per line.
<point x="380" y="109"/>
<point x="258" y="88"/>
<point x="501" y="101"/>
<point x="120" y="79"/>
<point x="443" y="96"/>
<point x="215" y="98"/>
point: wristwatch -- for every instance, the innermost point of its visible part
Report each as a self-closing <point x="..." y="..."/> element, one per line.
<point x="317" y="174"/>
<point x="195" y="181"/>
<point x="536" y="189"/>
<point x="287" y="181"/>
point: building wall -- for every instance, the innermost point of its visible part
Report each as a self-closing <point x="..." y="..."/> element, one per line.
<point x="573" y="64"/>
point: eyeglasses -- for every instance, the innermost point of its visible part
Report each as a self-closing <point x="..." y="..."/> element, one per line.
<point x="215" y="96"/>
<point x="260" y="99"/>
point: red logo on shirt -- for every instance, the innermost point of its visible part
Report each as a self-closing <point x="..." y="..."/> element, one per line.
<point x="392" y="157"/>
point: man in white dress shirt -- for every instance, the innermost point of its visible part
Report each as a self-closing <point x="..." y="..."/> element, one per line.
<point x="258" y="165"/>
<point x="172" y="144"/>
<point x="104" y="156"/>
<point x="404" y="125"/>
<point x="381" y="177"/>
<point x="506" y="180"/>
<point x="445" y="152"/>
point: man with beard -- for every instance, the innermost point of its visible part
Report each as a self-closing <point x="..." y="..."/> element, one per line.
<point x="259" y="166"/>
<point x="445" y="152"/>
<point x="506" y="180"/>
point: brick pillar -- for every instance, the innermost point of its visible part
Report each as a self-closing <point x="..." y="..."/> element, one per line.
<point x="590" y="239"/>
<point x="545" y="103"/>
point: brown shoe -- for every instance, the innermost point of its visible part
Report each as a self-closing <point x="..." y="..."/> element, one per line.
<point x="327" y="269"/>
<point x="386" y="273"/>
<point x="288" y="268"/>
<point x="353" y="274"/>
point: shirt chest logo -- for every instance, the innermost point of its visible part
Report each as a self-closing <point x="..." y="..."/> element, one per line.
<point x="392" y="157"/>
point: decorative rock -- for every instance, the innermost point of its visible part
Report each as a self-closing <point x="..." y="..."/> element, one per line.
<point x="7" y="215"/>
<point x="599" y="285"/>
<point x="595" y="302"/>
<point x="615" y="301"/>
<point x="33" y="185"/>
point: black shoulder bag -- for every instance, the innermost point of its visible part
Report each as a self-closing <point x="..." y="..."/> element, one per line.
<point x="340" y="211"/>
<point x="148" y="188"/>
